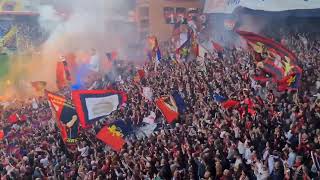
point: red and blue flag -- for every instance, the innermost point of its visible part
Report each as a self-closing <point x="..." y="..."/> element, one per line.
<point x="93" y="105"/>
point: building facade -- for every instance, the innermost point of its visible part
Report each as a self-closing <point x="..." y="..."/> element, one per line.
<point x="157" y="17"/>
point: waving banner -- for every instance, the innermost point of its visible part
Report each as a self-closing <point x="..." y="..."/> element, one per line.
<point x="274" y="59"/>
<point x="66" y="118"/>
<point x="227" y="6"/>
<point x="93" y="105"/>
<point x="114" y="134"/>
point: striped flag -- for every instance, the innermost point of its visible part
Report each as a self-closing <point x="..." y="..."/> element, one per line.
<point x="168" y="107"/>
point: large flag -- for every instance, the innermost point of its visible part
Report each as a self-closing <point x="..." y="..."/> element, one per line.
<point x="230" y="104"/>
<point x="179" y="101"/>
<point x="72" y="65"/>
<point x="184" y="49"/>
<point x="154" y="49"/>
<point x="145" y="130"/>
<point x="217" y="47"/>
<point x="60" y="76"/>
<point x="139" y="76"/>
<point x="66" y="117"/>
<point x="290" y="82"/>
<point x="227" y="7"/>
<point x="183" y="37"/>
<point x="272" y="57"/>
<point x="168" y="107"/>
<point x="114" y="133"/>
<point x="82" y="73"/>
<point x="63" y="76"/>
<point x="92" y="105"/>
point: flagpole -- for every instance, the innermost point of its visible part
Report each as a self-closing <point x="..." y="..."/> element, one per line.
<point x="155" y="64"/>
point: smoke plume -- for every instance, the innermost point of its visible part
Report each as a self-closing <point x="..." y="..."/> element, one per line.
<point x="76" y="26"/>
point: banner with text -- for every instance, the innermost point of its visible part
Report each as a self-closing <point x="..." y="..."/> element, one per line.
<point x="227" y="6"/>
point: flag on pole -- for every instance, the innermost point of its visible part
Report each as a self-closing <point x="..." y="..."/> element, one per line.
<point x="275" y="59"/>
<point x="66" y="117"/>
<point x="230" y="104"/>
<point x="114" y="133"/>
<point x="92" y="105"/>
<point x="179" y="101"/>
<point x="290" y="82"/>
<point x="168" y="107"/>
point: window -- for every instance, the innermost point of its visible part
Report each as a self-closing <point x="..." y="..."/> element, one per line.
<point x="144" y="11"/>
<point x="169" y="15"/>
<point x="144" y="23"/>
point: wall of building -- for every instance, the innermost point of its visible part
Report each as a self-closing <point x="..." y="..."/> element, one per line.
<point x="151" y="19"/>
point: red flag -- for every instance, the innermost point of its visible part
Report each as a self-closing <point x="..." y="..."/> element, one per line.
<point x="248" y="102"/>
<point x="13" y="118"/>
<point x="141" y="73"/>
<point x="112" y="137"/>
<point x="92" y="105"/>
<point x="168" y="108"/>
<point x="1" y="135"/>
<point x="60" y="75"/>
<point x="72" y="64"/>
<point x="217" y="46"/>
<point x="291" y="81"/>
<point x="71" y="60"/>
<point x="230" y="103"/>
<point x="66" y="118"/>
<point x="252" y="112"/>
<point x="114" y="55"/>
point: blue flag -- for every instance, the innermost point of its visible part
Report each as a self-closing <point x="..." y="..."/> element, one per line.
<point x="179" y="101"/>
<point x="82" y="73"/>
<point x="124" y="127"/>
<point x="218" y="98"/>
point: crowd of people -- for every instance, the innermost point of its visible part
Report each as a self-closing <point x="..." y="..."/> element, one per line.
<point x="27" y="37"/>
<point x="280" y="141"/>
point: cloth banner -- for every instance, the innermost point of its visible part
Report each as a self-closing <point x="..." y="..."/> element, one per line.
<point x="228" y="6"/>
<point x="182" y="107"/>
<point x="92" y="105"/>
<point x="114" y="133"/>
<point x="275" y="59"/>
<point x="66" y="117"/>
<point x="168" y="107"/>
<point x="150" y="119"/>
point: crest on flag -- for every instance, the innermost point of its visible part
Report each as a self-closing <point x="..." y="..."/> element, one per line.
<point x="66" y="117"/>
<point x="114" y="133"/>
<point x="274" y="59"/>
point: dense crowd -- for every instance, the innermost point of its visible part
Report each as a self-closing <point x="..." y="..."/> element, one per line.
<point x="206" y="142"/>
<point x="27" y="37"/>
